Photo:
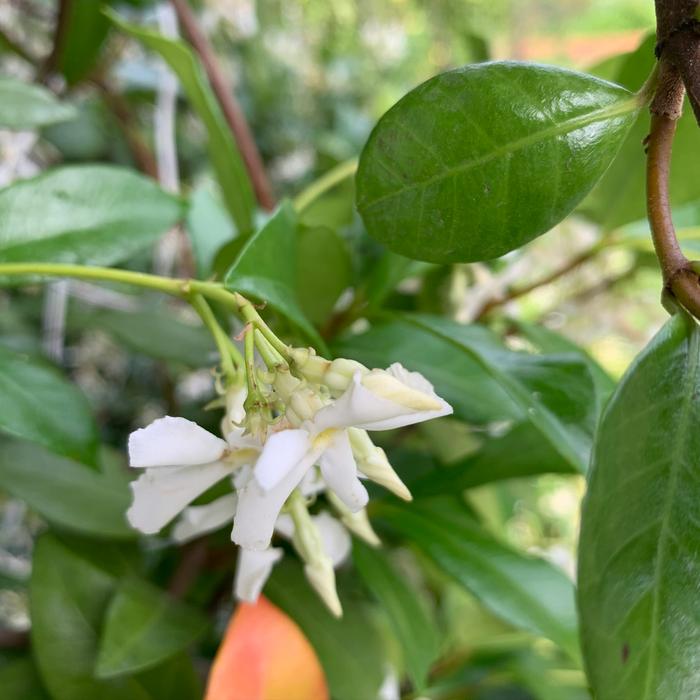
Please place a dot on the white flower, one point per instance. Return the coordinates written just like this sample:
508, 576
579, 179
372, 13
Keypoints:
252, 571
374, 400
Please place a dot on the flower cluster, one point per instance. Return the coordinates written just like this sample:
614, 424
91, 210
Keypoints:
303, 434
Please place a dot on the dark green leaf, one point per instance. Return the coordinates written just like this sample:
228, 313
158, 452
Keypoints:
554, 392
459, 379
527, 592
19, 680
66, 493
325, 271
349, 648
176, 679
92, 214
24, 106
225, 158
267, 269
478, 161
38, 404
387, 272
68, 597
155, 333
408, 614
639, 551
143, 626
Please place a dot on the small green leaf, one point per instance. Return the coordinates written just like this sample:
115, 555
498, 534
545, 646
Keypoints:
225, 157
639, 552
24, 106
478, 161
408, 614
38, 404
89, 214
64, 492
348, 648
527, 592
266, 268
143, 626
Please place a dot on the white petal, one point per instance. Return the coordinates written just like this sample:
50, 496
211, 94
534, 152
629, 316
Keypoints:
281, 453
173, 441
340, 472
198, 520
312, 484
336, 539
252, 571
257, 510
285, 526
160, 493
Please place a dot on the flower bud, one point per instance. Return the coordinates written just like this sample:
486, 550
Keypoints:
373, 463
312, 367
234, 416
340, 374
357, 522
321, 576
335, 374
391, 388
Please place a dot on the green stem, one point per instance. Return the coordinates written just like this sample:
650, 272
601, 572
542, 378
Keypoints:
254, 393
269, 355
231, 358
326, 182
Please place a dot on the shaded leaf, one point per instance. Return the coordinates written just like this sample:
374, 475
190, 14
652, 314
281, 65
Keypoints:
24, 106
639, 552
89, 214
40, 405
19, 680
478, 161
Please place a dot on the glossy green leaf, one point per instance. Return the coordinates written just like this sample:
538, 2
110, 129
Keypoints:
19, 680
521, 452
527, 592
90, 214
348, 648
84, 33
412, 622
38, 404
554, 392
64, 492
175, 679
68, 597
209, 228
24, 106
460, 380
478, 161
325, 271
266, 268
153, 332
639, 551
143, 626
224, 155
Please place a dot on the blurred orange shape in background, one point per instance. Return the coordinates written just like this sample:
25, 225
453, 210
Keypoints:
265, 656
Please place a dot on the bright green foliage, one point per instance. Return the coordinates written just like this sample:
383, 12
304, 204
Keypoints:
25, 106
527, 592
40, 405
143, 626
225, 157
480, 160
639, 540
410, 618
92, 214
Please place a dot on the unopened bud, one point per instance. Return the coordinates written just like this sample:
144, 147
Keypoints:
340, 374
335, 374
358, 522
388, 387
321, 576
234, 416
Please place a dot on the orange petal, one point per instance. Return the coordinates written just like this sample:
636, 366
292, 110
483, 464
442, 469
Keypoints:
265, 656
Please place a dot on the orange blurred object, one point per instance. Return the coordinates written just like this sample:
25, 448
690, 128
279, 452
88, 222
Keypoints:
265, 656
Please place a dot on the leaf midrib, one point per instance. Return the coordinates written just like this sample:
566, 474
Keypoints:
674, 470
566, 127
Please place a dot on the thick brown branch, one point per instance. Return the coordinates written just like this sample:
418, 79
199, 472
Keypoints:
233, 113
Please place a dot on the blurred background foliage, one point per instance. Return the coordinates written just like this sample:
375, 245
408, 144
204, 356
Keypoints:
312, 77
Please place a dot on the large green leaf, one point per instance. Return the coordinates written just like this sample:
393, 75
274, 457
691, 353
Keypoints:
19, 680
225, 157
460, 380
143, 626
88, 214
554, 392
64, 492
412, 622
38, 404
478, 161
267, 269
640, 540
348, 648
24, 106
527, 592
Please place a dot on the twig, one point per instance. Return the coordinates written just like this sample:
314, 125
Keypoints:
194, 557
13, 639
518, 292
16, 47
62, 20
232, 111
